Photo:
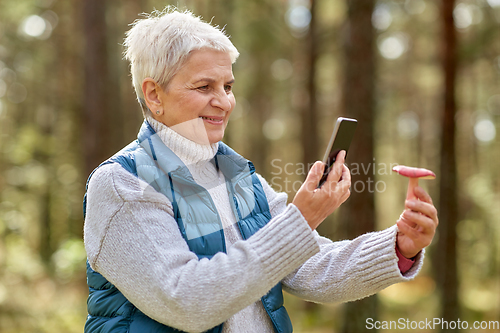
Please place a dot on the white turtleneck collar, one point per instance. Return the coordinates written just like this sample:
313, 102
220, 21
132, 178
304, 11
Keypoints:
196, 157
188, 151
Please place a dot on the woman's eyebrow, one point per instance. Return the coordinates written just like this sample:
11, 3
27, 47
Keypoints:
210, 80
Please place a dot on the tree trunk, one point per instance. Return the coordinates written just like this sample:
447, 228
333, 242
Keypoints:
445, 259
310, 135
95, 145
358, 213
259, 97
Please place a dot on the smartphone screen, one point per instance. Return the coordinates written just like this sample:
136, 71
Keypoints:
340, 140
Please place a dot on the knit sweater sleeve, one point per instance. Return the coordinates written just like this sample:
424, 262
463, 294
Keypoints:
133, 240
345, 270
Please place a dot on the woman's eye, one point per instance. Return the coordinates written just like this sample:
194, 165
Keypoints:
228, 88
203, 88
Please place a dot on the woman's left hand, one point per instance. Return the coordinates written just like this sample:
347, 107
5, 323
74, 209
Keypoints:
417, 224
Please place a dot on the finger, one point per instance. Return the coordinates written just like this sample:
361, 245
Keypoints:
423, 223
403, 227
422, 207
314, 176
419, 239
345, 183
404, 219
337, 168
346, 174
422, 195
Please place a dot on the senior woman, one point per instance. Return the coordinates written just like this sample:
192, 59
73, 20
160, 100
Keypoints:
182, 234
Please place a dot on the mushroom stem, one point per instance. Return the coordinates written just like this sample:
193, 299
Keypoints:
411, 186
414, 174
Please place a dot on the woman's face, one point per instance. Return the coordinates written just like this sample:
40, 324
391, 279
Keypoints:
199, 100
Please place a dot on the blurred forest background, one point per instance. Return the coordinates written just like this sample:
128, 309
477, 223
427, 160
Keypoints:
421, 76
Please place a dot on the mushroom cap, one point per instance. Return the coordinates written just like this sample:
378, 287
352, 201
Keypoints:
414, 172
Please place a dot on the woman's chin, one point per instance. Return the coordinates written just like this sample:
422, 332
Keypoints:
215, 136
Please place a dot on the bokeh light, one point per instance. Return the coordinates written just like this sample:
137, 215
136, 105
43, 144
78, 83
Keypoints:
298, 16
414, 7
466, 15
8, 75
381, 17
3, 88
462, 16
408, 125
393, 46
493, 104
51, 17
494, 3
484, 129
273, 129
17, 93
281, 69
36, 26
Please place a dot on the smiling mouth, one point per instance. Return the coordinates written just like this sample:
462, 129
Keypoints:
211, 119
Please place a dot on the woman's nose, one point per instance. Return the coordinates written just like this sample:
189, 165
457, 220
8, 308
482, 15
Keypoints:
222, 100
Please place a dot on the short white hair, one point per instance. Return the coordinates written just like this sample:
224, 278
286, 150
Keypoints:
159, 45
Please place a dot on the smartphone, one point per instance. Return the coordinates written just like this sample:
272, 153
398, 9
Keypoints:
341, 138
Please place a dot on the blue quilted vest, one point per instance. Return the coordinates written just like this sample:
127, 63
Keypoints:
198, 220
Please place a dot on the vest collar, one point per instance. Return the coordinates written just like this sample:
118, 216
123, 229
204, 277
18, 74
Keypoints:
233, 166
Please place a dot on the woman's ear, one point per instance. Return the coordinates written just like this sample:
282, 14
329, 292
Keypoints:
151, 91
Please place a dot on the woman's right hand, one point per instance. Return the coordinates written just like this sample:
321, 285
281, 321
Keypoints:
316, 204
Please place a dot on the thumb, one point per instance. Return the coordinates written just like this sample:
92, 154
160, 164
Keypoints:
314, 175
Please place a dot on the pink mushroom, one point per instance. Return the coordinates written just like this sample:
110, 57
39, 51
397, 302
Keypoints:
414, 174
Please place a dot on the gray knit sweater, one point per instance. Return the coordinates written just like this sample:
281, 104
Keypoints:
133, 240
